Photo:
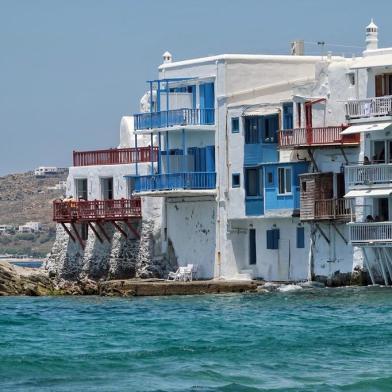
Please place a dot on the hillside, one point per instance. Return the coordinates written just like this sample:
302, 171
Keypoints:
24, 198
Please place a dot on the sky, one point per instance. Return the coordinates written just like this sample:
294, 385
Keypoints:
70, 69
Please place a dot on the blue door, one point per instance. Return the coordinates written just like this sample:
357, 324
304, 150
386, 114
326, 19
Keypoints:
207, 102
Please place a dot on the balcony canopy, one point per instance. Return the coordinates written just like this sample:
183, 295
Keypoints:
369, 193
366, 128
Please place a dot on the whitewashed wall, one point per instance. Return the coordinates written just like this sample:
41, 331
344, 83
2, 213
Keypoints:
191, 229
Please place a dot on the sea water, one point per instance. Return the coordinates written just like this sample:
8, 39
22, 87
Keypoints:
305, 340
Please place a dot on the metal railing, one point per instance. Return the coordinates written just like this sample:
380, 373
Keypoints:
303, 137
169, 118
368, 174
332, 209
369, 232
115, 156
173, 181
96, 210
369, 107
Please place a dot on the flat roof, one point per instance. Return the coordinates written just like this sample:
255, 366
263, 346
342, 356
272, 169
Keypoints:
250, 57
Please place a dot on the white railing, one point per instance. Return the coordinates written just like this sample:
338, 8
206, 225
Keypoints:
369, 107
368, 174
364, 233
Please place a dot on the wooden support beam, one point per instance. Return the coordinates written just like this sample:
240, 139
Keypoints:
133, 230
367, 265
95, 232
339, 232
103, 231
68, 232
77, 235
344, 155
119, 229
310, 152
322, 233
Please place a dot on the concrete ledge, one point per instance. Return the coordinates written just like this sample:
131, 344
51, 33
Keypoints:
156, 288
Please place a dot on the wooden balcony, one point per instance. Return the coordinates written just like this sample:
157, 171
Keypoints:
328, 209
317, 137
96, 210
369, 107
176, 117
369, 233
368, 175
115, 156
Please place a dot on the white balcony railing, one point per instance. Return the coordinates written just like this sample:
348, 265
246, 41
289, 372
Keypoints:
367, 233
369, 107
376, 174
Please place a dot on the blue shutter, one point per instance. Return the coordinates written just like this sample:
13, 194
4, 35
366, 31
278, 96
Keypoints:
300, 237
276, 237
270, 239
210, 158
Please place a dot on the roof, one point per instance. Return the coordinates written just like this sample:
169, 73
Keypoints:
366, 128
249, 57
379, 60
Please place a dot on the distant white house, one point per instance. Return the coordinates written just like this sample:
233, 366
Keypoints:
6, 228
30, 227
44, 171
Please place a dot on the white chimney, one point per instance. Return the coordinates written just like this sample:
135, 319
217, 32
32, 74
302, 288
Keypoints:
371, 36
167, 57
297, 48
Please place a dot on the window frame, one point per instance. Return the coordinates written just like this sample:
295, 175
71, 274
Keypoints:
236, 184
285, 171
235, 129
258, 185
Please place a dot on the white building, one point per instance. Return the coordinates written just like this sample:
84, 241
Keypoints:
30, 227
244, 166
44, 171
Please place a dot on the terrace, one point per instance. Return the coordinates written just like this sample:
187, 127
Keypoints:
317, 137
369, 107
115, 156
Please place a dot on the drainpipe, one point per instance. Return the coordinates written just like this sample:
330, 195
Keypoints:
217, 168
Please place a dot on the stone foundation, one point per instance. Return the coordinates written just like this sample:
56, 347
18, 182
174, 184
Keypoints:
119, 258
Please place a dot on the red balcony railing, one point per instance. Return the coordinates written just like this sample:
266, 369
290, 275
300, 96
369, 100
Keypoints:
322, 136
115, 156
65, 211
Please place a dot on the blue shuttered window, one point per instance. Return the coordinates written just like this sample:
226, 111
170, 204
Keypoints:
288, 115
300, 237
273, 236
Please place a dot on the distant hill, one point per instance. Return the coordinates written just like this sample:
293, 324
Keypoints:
23, 198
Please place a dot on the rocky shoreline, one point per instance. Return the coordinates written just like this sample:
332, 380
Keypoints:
16, 280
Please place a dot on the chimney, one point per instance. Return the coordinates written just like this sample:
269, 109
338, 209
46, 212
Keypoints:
371, 36
167, 57
297, 47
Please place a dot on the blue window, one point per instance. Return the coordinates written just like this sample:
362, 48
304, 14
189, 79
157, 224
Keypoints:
261, 129
252, 246
235, 125
252, 182
273, 236
284, 180
235, 180
300, 237
288, 115
270, 178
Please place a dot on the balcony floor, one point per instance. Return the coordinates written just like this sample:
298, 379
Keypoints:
179, 193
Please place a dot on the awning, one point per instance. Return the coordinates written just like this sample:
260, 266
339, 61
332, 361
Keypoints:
366, 128
381, 60
260, 111
368, 193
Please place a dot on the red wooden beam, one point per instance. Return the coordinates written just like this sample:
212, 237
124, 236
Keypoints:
95, 232
103, 231
134, 231
68, 232
119, 229
78, 235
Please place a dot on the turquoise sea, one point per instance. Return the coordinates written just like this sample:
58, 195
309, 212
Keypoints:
310, 340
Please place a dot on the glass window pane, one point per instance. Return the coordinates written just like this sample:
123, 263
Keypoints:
288, 180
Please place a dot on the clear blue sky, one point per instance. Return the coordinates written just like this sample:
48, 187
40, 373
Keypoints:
70, 69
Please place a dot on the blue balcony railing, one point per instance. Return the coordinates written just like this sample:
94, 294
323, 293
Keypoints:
163, 182
170, 118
